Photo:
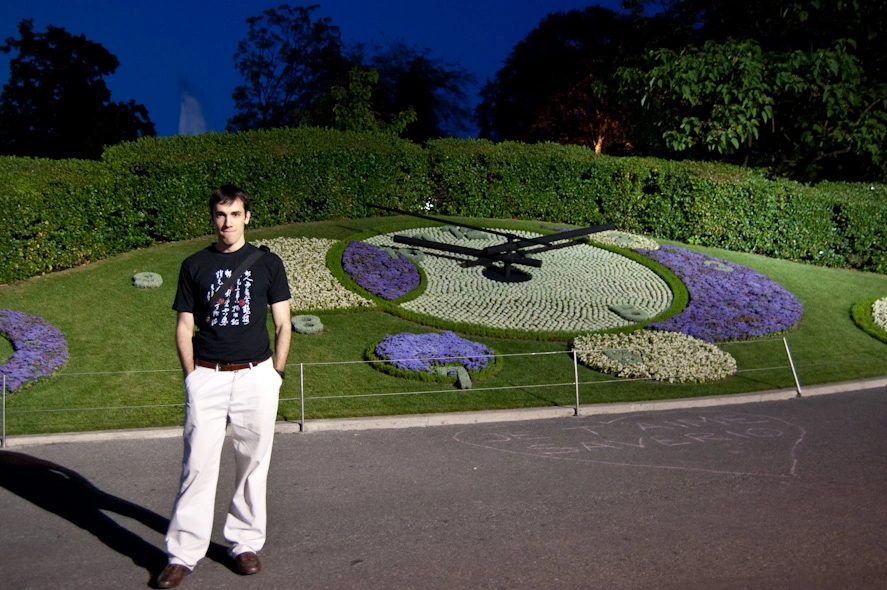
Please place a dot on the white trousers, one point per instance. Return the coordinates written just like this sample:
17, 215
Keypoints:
248, 399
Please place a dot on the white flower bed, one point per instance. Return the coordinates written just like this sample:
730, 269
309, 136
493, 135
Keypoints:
624, 240
574, 291
879, 313
647, 354
311, 283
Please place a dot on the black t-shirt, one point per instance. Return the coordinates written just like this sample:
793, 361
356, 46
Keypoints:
232, 327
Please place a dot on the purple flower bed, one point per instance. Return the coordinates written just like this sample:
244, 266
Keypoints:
420, 352
40, 348
378, 272
727, 301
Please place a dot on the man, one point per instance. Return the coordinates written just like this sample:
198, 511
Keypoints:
231, 375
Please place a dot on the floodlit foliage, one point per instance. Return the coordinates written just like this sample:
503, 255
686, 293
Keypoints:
557, 83
352, 107
789, 110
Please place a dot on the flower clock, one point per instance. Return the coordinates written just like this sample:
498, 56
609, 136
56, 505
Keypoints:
578, 288
40, 348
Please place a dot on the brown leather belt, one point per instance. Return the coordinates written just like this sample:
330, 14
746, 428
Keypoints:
224, 366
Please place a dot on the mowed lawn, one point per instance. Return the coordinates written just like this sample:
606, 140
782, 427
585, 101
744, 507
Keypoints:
123, 371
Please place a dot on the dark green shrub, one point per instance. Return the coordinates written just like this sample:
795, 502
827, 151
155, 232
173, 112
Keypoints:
477, 178
292, 174
59, 214
859, 221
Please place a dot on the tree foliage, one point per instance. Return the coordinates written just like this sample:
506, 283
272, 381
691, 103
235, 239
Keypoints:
410, 78
779, 85
349, 107
790, 111
56, 103
558, 82
288, 60
292, 63
796, 86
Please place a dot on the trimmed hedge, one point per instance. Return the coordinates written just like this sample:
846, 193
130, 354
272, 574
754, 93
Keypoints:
61, 214
833, 224
295, 175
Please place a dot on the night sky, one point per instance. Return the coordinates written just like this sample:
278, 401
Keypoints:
175, 49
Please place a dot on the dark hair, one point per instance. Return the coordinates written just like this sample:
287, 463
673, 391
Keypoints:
228, 193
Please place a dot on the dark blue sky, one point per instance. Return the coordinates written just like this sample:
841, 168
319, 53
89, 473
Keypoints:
166, 45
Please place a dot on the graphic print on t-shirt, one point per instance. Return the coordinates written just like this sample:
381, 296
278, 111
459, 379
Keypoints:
231, 308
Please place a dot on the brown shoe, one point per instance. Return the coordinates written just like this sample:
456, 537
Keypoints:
172, 575
248, 563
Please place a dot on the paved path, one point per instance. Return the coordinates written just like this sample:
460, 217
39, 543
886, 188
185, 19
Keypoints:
776, 494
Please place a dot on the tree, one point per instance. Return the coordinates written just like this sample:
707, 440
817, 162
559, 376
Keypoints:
405, 88
56, 103
796, 87
793, 112
784, 25
287, 61
411, 79
291, 62
579, 116
349, 107
557, 84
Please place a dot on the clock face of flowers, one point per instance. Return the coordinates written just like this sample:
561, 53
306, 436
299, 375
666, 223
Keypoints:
578, 288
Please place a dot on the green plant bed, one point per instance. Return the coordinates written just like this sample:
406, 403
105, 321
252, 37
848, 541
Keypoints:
334, 263
494, 367
123, 371
861, 312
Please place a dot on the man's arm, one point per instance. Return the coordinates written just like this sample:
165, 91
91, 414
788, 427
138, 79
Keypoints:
184, 345
280, 315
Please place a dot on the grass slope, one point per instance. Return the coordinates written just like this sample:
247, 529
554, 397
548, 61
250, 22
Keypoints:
123, 371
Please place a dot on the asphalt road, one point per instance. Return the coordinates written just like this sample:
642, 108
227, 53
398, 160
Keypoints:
785, 494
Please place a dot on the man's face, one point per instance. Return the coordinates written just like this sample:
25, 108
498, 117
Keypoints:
230, 220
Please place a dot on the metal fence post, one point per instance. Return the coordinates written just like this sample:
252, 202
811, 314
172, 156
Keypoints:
576, 381
792, 363
3, 417
301, 397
